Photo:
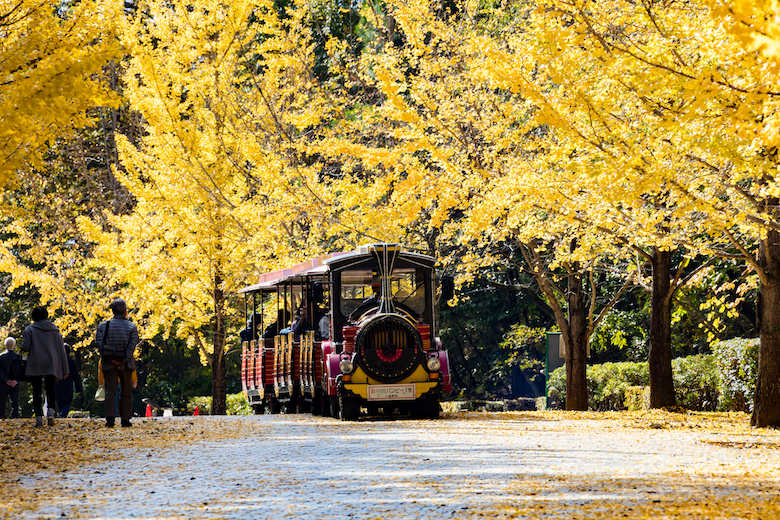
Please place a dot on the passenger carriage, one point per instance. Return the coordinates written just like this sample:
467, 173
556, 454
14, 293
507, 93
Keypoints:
379, 352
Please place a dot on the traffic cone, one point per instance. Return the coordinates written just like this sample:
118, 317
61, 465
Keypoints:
195, 411
148, 410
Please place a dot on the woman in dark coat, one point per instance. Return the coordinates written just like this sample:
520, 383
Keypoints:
47, 361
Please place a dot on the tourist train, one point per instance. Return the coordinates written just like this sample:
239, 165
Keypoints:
347, 334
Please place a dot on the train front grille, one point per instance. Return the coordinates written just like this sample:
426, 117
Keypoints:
389, 348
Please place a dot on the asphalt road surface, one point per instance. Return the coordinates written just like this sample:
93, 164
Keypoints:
464, 465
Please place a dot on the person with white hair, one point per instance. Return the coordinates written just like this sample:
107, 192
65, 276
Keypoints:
9, 386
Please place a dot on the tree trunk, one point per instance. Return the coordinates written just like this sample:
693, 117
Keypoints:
219, 386
660, 354
576, 346
766, 407
574, 330
218, 383
471, 383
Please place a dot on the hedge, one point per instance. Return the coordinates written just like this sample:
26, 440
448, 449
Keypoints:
737, 362
236, 404
724, 380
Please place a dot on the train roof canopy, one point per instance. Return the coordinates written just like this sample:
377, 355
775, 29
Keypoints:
320, 265
366, 251
269, 281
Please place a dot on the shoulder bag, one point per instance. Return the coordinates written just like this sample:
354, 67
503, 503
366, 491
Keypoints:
109, 360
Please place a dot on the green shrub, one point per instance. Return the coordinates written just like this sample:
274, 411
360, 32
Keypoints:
737, 367
696, 382
556, 389
607, 384
202, 402
612, 386
236, 404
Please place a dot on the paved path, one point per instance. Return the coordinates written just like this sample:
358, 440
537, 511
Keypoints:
461, 466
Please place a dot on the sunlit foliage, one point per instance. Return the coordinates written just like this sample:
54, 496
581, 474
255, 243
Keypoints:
51, 54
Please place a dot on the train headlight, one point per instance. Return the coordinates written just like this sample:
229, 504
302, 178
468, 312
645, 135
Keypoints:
434, 364
346, 366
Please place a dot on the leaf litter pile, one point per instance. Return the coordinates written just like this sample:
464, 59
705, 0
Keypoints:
650, 464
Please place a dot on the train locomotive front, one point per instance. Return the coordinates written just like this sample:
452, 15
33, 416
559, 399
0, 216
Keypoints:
380, 354
387, 362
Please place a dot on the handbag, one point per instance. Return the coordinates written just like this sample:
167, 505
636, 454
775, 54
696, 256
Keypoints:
100, 395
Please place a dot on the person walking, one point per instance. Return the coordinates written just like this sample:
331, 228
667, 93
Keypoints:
102, 382
64, 389
9, 386
47, 361
116, 340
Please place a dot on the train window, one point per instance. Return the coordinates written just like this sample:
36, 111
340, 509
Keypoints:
356, 287
407, 287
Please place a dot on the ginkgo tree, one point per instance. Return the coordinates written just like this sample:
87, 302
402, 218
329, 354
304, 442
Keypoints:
43, 251
604, 135
698, 132
449, 148
54, 58
630, 121
51, 60
225, 182
199, 228
670, 118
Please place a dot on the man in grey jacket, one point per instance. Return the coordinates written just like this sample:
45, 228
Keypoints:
116, 340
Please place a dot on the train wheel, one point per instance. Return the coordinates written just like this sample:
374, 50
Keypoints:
273, 405
334, 406
433, 409
291, 406
350, 408
304, 406
428, 408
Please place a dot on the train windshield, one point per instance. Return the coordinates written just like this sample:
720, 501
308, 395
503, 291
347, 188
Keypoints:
407, 286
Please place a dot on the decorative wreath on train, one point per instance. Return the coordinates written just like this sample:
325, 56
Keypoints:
389, 348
